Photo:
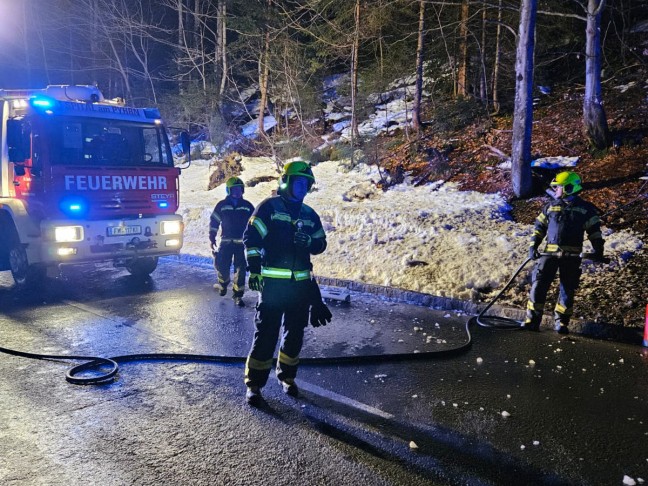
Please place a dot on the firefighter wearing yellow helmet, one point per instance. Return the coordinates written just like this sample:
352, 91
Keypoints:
230, 215
280, 238
563, 222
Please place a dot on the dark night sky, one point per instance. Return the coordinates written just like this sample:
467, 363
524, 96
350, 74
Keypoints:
29, 29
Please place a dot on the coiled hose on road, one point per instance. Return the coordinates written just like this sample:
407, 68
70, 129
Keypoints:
104, 370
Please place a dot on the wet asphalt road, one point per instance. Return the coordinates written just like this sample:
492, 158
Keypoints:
577, 409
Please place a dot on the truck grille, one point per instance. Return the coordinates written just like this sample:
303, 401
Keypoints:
128, 205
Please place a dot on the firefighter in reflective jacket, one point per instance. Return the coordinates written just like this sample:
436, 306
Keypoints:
563, 221
231, 215
279, 239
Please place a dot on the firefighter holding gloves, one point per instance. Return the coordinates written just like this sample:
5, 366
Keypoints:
279, 239
231, 215
563, 221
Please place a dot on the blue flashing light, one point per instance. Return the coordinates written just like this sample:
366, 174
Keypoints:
73, 207
163, 204
42, 102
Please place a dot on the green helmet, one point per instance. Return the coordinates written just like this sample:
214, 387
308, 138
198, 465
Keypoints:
296, 168
233, 182
570, 182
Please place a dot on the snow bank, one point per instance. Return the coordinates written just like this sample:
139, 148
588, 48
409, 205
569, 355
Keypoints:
434, 238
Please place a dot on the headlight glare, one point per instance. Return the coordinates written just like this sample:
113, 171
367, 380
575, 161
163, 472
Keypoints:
66, 234
170, 228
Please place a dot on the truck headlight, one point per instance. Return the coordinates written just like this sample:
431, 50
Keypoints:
170, 228
67, 234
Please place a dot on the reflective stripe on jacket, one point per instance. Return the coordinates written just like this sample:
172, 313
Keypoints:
563, 222
270, 236
232, 217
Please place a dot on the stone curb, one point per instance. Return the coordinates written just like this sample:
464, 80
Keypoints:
591, 329
595, 330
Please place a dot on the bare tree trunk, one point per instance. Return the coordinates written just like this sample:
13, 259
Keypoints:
496, 66
462, 75
416, 114
181, 42
221, 49
380, 44
483, 87
197, 46
94, 41
196, 25
354, 74
523, 113
264, 73
594, 119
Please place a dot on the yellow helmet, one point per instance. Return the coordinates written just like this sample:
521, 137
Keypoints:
570, 182
233, 182
296, 168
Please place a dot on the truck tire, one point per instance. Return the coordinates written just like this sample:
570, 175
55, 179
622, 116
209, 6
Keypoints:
24, 274
142, 267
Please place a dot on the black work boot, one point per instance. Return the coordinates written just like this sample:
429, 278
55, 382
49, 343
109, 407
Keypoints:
289, 388
237, 295
531, 325
561, 328
222, 291
253, 396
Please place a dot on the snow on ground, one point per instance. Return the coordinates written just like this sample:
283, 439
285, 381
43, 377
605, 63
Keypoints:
433, 239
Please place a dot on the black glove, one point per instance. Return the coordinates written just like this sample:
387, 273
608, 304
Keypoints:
534, 254
598, 246
302, 240
320, 315
255, 282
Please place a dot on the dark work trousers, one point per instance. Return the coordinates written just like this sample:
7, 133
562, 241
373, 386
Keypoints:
282, 311
228, 251
543, 274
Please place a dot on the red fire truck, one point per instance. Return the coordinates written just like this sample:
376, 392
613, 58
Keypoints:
84, 179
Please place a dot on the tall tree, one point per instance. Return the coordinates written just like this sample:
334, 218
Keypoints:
418, 93
264, 71
496, 63
355, 49
462, 75
221, 46
594, 119
523, 112
483, 87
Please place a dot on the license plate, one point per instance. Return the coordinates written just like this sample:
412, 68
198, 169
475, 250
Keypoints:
124, 230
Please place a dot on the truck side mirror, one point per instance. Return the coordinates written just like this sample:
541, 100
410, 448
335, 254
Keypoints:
185, 141
18, 141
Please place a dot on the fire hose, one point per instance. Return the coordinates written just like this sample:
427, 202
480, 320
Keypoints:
104, 370
110, 366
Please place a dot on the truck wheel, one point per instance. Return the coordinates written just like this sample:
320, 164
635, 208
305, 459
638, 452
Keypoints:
142, 267
24, 274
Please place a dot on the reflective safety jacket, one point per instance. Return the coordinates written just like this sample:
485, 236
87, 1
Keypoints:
564, 222
270, 234
233, 215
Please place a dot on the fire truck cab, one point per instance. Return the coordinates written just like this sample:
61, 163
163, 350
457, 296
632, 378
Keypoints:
84, 179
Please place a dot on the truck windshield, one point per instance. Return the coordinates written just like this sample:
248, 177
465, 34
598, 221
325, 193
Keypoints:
92, 141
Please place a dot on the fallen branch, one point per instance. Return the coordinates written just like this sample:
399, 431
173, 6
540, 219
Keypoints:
497, 152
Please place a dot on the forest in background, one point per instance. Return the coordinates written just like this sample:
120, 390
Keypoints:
198, 59
202, 54
203, 61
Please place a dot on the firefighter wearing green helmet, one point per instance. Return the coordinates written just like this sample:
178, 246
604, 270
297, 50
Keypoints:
230, 215
280, 238
563, 222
